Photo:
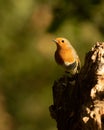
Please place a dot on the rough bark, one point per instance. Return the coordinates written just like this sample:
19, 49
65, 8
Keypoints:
78, 104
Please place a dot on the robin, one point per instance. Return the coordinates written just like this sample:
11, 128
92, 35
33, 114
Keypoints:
66, 56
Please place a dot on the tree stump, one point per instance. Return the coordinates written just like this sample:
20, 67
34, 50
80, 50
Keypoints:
79, 104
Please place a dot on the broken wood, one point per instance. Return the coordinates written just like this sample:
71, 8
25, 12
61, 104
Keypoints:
79, 104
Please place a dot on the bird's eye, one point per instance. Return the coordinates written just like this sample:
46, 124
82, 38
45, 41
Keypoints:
62, 41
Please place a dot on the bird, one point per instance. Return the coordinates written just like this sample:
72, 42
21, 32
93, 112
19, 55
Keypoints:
66, 56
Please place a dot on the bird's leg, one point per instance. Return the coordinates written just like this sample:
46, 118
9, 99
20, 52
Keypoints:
69, 77
66, 78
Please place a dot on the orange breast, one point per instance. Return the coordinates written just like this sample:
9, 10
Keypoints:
64, 55
67, 55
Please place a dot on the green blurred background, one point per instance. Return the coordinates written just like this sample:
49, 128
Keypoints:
27, 66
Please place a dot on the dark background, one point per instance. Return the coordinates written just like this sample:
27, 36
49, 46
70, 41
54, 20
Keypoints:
27, 66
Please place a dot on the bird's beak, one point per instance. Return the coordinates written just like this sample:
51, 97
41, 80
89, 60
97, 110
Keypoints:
55, 41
